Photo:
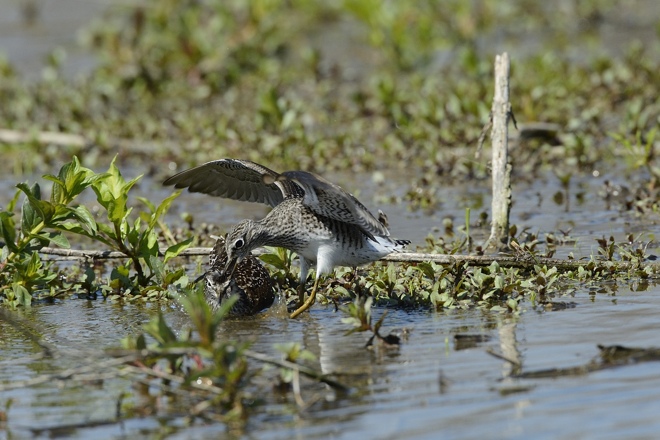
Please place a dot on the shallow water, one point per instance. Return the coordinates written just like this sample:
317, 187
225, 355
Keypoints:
433, 385
428, 387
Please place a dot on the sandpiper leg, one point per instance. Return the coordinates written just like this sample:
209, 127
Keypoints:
308, 303
301, 295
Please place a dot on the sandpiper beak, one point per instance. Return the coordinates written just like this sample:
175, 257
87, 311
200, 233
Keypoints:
200, 278
231, 265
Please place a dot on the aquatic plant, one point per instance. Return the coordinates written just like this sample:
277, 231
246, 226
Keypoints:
359, 316
211, 373
189, 82
51, 221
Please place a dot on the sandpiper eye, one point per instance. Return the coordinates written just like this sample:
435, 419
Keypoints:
239, 243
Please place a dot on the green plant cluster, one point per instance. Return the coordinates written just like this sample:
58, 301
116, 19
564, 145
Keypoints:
204, 374
435, 286
222, 364
145, 272
51, 221
202, 80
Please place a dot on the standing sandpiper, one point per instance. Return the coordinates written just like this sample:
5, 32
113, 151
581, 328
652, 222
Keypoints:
311, 216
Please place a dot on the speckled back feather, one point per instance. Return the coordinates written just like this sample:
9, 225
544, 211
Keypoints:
250, 281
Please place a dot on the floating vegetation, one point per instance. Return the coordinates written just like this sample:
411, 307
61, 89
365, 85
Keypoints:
203, 375
225, 80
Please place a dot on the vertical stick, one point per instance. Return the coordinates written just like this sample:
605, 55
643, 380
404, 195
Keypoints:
501, 206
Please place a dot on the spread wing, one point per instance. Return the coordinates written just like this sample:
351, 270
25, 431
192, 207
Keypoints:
330, 200
236, 179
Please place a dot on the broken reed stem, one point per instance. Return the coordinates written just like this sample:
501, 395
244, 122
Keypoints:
525, 261
501, 110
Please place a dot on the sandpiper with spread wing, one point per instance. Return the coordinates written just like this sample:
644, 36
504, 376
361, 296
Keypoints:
311, 216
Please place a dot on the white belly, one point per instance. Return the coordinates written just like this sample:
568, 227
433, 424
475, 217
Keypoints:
327, 254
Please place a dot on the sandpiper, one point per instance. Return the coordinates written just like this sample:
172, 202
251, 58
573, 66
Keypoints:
249, 281
311, 216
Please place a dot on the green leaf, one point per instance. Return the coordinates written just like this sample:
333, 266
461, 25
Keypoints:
119, 278
426, 269
30, 214
21, 295
8, 230
85, 218
110, 233
273, 260
76, 179
59, 239
163, 208
14, 201
35, 210
158, 329
157, 267
176, 249
141, 342
341, 290
33, 266
147, 242
148, 203
57, 194
391, 273
178, 278
112, 193
117, 210
205, 322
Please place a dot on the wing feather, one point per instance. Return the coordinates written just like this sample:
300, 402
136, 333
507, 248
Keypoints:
248, 181
332, 201
234, 179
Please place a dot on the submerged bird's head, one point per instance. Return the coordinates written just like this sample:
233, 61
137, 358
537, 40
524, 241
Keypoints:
239, 243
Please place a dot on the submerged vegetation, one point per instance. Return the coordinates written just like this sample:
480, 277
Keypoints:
351, 85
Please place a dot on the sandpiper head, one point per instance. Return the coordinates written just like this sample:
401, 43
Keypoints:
239, 243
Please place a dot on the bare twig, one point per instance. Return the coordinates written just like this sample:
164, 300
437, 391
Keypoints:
412, 257
501, 113
108, 255
295, 367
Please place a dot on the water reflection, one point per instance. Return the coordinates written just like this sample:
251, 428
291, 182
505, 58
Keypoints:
432, 383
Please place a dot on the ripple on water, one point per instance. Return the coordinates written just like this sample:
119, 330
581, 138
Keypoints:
429, 385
